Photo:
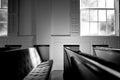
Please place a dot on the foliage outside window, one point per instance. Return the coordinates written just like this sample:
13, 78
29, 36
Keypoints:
97, 17
3, 17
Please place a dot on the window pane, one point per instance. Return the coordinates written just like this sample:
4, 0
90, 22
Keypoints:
3, 29
84, 30
110, 22
88, 3
84, 15
93, 15
109, 3
3, 16
4, 3
101, 3
102, 15
110, 15
110, 27
102, 28
93, 28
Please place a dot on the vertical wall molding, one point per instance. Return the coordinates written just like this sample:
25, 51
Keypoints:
75, 17
13, 11
25, 18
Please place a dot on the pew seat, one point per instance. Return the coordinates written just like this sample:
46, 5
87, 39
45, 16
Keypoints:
41, 72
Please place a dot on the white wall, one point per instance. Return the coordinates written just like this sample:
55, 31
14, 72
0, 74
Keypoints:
25, 17
60, 22
43, 21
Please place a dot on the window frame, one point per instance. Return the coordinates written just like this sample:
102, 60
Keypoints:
116, 12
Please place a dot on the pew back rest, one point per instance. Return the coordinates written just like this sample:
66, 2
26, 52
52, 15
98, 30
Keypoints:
103, 71
43, 51
84, 70
92, 68
17, 64
79, 70
67, 66
10, 47
108, 54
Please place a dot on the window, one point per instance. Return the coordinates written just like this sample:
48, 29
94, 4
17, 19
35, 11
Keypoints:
3, 17
97, 17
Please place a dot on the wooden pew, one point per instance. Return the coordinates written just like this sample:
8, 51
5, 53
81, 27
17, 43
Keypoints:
108, 54
67, 67
83, 71
43, 51
99, 45
41, 72
17, 64
10, 47
92, 68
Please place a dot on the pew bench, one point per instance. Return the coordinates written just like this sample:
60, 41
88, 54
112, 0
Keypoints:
88, 67
24, 64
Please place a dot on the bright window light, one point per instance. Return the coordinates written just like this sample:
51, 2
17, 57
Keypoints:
3, 17
97, 18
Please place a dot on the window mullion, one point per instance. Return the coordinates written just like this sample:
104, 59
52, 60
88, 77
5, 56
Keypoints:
106, 23
115, 21
89, 21
97, 20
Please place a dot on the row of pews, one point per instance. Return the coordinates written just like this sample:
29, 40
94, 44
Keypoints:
103, 65
23, 64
